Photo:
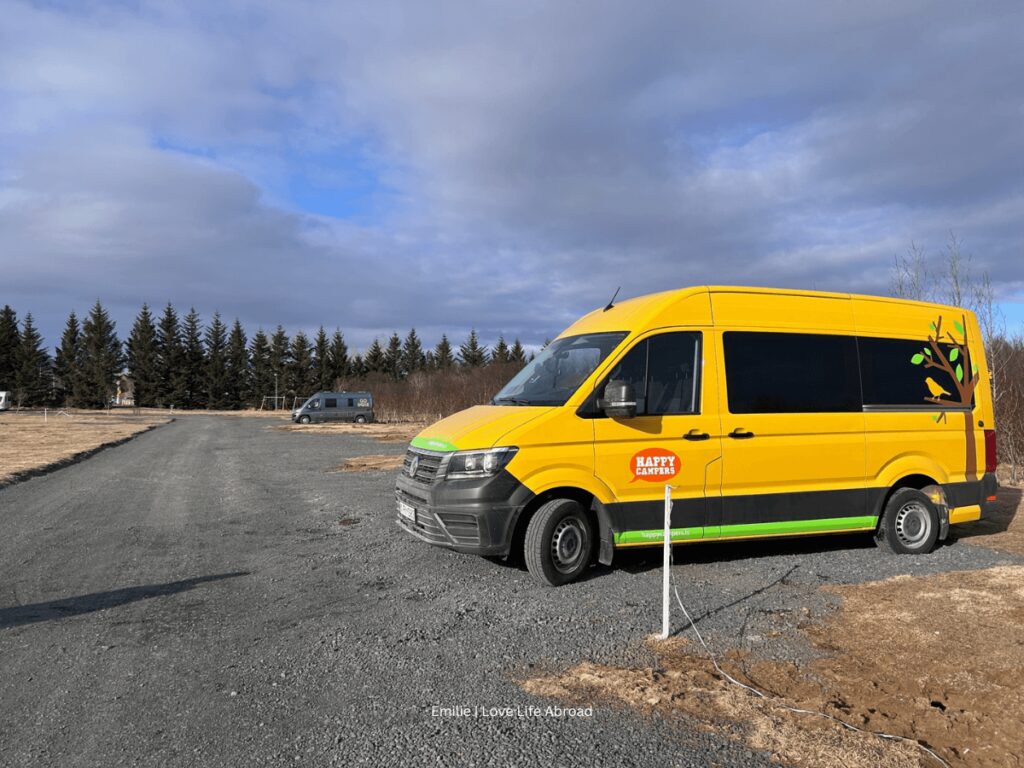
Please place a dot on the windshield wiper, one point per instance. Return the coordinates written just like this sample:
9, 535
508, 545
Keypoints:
512, 400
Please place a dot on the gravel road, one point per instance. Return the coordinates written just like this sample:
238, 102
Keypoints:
211, 593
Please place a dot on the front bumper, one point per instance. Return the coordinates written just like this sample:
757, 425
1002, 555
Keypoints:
477, 516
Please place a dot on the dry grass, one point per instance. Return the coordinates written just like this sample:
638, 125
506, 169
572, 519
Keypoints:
934, 659
384, 433
687, 686
282, 414
28, 443
374, 463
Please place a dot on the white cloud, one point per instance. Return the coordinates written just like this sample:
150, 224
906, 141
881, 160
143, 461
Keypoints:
527, 158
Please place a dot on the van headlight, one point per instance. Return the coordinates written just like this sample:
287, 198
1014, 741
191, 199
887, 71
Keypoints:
464, 464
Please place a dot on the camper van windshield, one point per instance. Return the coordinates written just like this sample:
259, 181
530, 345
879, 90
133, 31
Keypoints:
559, 369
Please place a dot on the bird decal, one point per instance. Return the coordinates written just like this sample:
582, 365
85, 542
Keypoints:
935, 388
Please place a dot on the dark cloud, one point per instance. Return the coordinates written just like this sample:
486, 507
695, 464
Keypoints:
523, 159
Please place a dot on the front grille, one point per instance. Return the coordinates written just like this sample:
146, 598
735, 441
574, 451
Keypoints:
463, 528
440, 528
427, 464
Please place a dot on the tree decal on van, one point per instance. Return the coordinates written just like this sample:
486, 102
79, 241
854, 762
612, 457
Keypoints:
954, 363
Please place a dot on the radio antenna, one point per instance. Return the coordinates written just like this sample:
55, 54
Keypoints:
612, 302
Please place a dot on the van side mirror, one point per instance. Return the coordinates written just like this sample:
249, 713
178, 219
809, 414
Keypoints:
619, 400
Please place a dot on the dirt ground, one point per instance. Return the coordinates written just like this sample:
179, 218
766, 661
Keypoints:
937, 659
383, 433
372, 463
1003, 530
30, 442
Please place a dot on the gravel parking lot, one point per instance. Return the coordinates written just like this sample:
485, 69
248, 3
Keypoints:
213, 592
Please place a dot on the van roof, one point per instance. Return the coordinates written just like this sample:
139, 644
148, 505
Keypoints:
646, 310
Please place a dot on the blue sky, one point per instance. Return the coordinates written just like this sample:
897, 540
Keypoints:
502, 166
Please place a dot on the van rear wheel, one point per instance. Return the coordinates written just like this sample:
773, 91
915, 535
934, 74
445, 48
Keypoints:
559, 542
910, 523
360, 419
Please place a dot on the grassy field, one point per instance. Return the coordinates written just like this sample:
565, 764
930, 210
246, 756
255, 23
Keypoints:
30, 442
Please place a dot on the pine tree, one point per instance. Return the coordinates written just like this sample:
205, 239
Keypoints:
262, 372
216, 368
517, 354
501, 353
279, 361
193, 362
444, 358
143, 359
374, 360
170, 360
239, 369
322, 368
68, 362
300, 370
339, 358
10, 343
471, 353
101, 358
357, 366
32, 378
413, 358
393, 357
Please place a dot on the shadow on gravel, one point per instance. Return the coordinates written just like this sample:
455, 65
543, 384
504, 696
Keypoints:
999, 520
640, 560
97, 601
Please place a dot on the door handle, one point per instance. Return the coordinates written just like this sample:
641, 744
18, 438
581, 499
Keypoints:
741, 434
694, 434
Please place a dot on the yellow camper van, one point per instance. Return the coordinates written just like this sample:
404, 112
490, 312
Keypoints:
768, 412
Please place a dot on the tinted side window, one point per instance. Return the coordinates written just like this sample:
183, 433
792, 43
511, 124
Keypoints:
791, 373
351, 402
330, 402
664, 372
672, 371
890, 378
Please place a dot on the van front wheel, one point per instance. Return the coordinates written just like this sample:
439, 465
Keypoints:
910, 523
559, 542
304, 419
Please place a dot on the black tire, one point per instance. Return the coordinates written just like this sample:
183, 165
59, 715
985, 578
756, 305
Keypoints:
910, 523
304, 419
559, 542
360, 419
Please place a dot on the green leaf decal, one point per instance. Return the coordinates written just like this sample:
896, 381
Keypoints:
936, 418
928, 352
974, 369
933, 326
958, 326
960, 373
954, 353
917, 359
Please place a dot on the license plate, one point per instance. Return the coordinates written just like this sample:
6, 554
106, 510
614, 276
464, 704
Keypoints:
406, 511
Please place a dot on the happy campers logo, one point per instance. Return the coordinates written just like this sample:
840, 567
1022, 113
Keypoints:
654, 465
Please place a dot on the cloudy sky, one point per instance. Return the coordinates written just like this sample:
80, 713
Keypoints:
375, 166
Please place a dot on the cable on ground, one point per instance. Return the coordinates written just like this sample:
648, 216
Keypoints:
796, 710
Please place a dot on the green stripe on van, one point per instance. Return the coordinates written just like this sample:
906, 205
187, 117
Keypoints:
657, 537
751, 529
433, 444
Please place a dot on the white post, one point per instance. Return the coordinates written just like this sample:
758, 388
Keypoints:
44, 415
668, 561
